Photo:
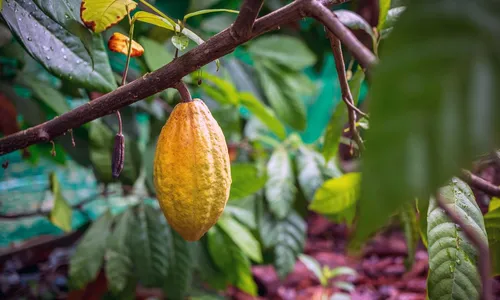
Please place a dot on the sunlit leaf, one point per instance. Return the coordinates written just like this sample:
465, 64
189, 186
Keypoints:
494, 204
338, 196
241, 187
280, 186
99, 15
87, 260
452, 257
61, 212
384, 6
147, 17
427, 122
313, 266
119, 43
208, 11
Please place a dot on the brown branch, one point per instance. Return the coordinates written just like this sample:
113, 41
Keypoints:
165, 77
324, 15
474, 238
344, 86
249, 11
480, 184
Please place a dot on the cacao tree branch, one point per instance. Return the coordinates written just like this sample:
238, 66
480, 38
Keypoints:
480, 184
165, 77
249, 11
481, 246
344, 86
324, 15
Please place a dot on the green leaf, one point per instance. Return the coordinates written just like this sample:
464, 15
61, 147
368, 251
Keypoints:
152, 246
334, 131
427, 122
119, 268
207, 269
241, 187
147, 17
355, 84
61, 212
99, 15
310, 175
290, 235
288, 108
263, 113
208, 11
280, 187
313, 266
87, 260
231, 260
492, 224
384, 6
242, 237
155, 54
243, 215
392, 16
180, 41
46, 94
411, 230
338, 197
285, 50
71, 51
452, 258
180, 273
224, 87
354, 21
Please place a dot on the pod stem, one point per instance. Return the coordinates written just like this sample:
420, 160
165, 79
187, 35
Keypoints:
183, 90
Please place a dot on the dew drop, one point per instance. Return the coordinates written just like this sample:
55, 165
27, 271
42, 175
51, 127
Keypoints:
65, 57
47, 57
30, 39
66, 16
51, 49
78, 61
458, 261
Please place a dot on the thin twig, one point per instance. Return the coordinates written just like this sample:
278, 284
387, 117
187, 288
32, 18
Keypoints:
344, 86
482, 247
480, 184
217, 46
324, 15
249, 11
183, 90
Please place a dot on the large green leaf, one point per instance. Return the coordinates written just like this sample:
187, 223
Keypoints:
61, 212
155, 54
431, 113
46, 94
310, 175
492, 224
119, 268
290, 235
242, 237
288, 107
263, 113
280, 187
231, 260
337, 197
241, 187
452, 257
207, 269
52, 33
180, 272
152, 246
87, 260
285, 50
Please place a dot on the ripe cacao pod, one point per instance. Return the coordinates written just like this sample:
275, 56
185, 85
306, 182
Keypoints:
192, 172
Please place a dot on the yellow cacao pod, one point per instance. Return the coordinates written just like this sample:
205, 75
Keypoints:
192, 172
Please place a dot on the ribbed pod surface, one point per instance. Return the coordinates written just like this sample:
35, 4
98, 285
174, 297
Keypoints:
192, 173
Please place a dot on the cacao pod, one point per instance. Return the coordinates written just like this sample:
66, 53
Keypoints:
192, 172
